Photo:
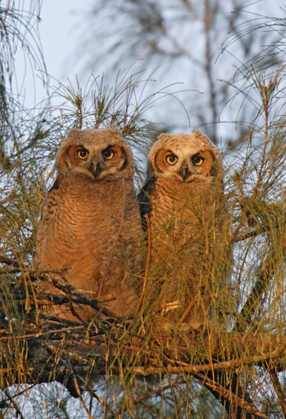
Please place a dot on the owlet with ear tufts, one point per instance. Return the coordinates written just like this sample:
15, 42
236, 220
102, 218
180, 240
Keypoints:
184, 206
90, 222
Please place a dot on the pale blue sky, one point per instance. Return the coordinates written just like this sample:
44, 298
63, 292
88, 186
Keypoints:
60, 19
61, 38
61, 32
58, 27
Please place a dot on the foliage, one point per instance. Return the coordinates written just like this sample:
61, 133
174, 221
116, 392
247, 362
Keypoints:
240, 357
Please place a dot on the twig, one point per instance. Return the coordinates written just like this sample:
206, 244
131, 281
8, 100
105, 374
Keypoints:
262, 282
73, 295
58, 299
263, 161
193, 369
11, 399
9, 261
231, 396
69, 354
3, 403
38, 334
254, 233
208, 16
157, 391
60, 321
279, 392
186, 312
81, 398
103, 402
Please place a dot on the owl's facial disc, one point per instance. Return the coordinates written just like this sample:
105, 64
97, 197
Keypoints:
191, 167
97, 163
101, 163
183, 165
106, 163
112, 161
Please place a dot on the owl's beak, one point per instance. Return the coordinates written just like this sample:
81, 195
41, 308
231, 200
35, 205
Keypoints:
96, 168
185, 171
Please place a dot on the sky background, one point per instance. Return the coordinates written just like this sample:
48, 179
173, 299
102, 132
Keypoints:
58, 30
61, 32
63, 29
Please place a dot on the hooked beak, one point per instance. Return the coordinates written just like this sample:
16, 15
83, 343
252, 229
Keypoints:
184, 171
96, 167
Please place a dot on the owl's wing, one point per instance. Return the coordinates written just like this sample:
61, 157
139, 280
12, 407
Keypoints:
144, 201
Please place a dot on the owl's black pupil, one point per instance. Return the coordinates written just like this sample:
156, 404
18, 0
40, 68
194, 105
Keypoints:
197, 159
172, 159
82, 153
107, 153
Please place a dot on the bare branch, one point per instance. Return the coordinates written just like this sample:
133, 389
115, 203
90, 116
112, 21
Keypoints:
232, 397
278, 390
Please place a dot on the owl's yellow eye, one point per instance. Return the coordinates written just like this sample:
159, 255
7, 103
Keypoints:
171, 159
198, 160
82, 154
108, 154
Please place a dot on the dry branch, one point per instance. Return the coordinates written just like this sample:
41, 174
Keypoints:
232, 397
278, 390
9, 261
70, 352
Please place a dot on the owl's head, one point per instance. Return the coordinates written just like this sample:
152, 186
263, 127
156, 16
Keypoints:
184, 158
97, 154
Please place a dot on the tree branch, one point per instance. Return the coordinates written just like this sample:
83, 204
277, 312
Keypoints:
278, 390
231, 396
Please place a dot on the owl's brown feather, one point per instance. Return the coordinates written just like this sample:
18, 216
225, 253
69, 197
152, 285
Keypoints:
90, 225
189, 227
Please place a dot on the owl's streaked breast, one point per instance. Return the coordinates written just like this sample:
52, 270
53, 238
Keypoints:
90, 223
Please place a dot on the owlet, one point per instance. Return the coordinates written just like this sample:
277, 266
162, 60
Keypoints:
90, 223
184, 206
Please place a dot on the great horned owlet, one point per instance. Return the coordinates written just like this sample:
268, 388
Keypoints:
90, 223
183, 200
